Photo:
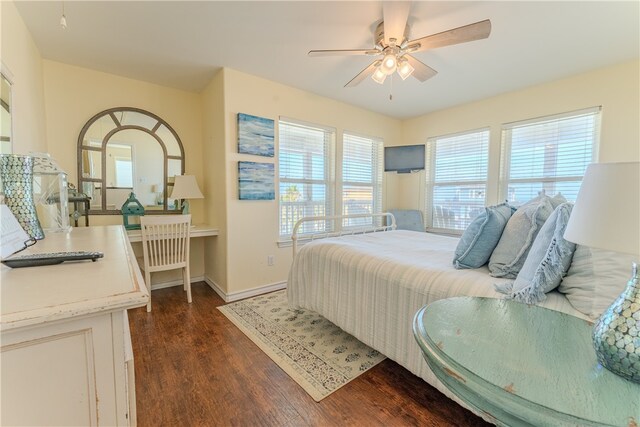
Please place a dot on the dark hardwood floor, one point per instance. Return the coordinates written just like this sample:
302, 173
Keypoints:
195, 368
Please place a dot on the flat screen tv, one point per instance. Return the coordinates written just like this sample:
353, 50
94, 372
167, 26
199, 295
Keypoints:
404, 158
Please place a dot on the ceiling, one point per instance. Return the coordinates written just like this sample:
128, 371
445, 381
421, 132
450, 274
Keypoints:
182, 44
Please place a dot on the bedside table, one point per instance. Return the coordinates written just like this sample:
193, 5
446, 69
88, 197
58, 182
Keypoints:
523, 365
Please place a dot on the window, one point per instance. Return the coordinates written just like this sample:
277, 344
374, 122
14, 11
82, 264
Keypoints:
547, 155
124, 172
306, 155
456, 172
361, 178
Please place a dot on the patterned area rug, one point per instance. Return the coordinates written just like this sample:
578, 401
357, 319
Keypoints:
314, 352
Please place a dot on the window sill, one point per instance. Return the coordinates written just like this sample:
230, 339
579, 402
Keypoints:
445, 232
289, 243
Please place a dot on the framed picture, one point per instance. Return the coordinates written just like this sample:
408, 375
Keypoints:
255, 135
256, 181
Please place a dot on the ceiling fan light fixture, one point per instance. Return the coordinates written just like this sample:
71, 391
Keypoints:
389, 64
405, 69
379, 75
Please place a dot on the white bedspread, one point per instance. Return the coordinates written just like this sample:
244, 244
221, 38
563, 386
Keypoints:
372, 285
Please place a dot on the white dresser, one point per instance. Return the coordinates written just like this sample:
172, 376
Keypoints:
66, 354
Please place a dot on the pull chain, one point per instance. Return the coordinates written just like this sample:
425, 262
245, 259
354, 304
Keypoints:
391, 88
63, 19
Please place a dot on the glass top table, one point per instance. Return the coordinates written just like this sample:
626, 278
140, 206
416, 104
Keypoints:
522, 365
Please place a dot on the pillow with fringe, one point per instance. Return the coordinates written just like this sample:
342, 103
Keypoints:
548, 261
519, 234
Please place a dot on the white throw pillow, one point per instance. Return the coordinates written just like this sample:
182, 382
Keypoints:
595, 279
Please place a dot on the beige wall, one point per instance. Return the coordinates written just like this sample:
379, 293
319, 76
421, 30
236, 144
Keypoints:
215, 178
615, 88
60, 98
23, 62
73, 95
252, 226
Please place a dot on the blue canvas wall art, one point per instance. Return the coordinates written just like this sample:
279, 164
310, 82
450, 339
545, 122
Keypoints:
256, 181
255, 135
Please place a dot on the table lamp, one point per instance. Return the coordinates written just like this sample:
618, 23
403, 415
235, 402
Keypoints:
185, 187
606, 215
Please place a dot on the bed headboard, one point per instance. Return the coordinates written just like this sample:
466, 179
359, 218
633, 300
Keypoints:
379, 222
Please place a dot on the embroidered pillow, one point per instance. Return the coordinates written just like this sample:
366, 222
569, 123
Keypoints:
595, 279
518, 236
547, 261
481, 237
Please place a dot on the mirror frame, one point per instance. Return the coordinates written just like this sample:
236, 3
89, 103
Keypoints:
111, 112
8, 76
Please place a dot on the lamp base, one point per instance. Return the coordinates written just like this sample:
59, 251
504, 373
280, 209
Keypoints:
616, 335
185, 207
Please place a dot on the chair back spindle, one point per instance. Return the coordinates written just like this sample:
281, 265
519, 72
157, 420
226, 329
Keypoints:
165, 245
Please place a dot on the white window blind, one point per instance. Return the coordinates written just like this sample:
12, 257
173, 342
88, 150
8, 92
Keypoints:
548, 155
306, 155
456, 179
361, 178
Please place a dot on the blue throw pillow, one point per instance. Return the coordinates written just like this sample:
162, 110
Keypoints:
481, 237
548, 261
509, 255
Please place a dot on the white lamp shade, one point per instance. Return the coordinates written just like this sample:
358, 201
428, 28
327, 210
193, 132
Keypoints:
405, 69
606, 214
379, 76
389, 64
186, 187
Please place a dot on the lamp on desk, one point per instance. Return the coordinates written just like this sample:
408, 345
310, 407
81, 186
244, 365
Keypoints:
606, 215
185, 187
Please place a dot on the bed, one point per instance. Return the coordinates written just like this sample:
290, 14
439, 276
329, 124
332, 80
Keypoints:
371, 285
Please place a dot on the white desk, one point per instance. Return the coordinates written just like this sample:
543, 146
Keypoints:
66, 349
199, 230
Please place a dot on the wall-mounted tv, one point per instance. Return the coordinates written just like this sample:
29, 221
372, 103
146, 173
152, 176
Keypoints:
404, 158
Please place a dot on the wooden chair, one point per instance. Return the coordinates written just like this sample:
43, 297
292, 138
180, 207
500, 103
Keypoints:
165, 244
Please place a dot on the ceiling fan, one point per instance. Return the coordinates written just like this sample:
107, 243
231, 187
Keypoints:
391, 42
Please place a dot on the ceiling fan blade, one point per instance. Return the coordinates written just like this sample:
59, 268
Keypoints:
467, 33
395, 15
363, 74
421, 70
343, 52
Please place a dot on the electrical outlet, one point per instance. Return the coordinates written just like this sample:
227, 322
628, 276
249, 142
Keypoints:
270, 260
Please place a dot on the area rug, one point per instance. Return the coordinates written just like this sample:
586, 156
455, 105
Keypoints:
314, 352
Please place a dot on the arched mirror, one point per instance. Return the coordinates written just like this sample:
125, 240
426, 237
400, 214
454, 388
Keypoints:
124, 150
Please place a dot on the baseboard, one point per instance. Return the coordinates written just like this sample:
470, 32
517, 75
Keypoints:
177, 282
235, 296
213, 285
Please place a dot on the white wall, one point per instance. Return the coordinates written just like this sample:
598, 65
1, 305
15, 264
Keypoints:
23, 61
615, 88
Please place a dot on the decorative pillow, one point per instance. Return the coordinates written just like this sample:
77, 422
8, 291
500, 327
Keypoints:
557, 200
595, 279
481, 237
518, 235
548, 260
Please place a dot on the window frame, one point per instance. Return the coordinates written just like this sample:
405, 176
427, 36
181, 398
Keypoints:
430, 184
329, 173
506, 144
376, 183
